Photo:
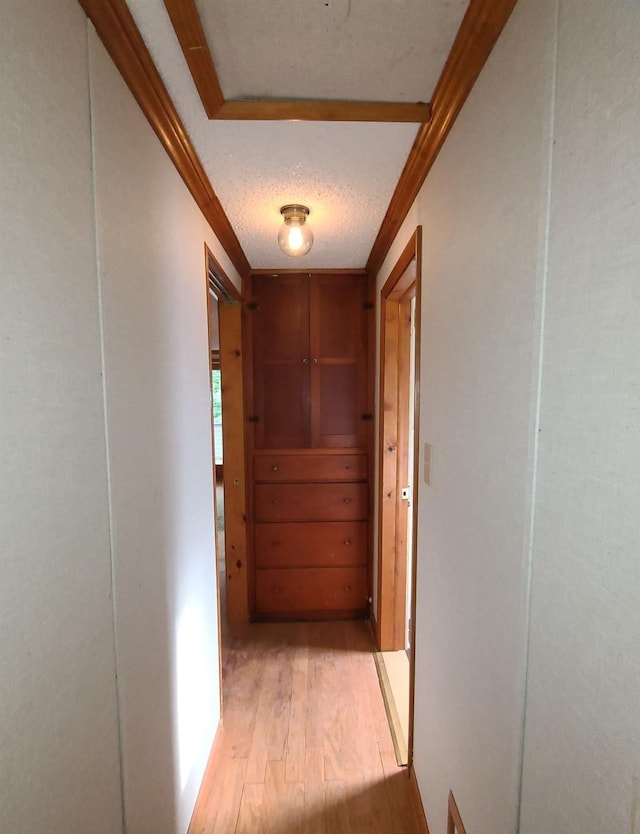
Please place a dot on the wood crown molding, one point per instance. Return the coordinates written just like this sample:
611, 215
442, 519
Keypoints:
478, 33
188, 28
118, 32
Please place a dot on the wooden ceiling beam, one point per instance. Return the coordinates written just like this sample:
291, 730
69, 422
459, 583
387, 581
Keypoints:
187, 24
323, 271
117, 30
188, 28
478, 33
324, 111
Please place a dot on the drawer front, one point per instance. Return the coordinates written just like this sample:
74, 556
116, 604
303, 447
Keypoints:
300, 590
310, 502
314, 544
310, 468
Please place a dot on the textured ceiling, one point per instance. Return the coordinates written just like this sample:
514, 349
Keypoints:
345, 172
342, 171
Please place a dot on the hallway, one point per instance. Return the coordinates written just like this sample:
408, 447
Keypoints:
306, 747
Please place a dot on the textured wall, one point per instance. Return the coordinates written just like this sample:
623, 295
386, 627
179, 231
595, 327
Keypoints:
520, 244
154, 304
483, 215
582, 743
59, 769
482, 210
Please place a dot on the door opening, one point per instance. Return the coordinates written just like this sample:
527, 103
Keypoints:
227, 384
397, 491
218, 452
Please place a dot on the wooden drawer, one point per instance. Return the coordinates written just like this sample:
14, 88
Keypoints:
310, 468
310, 502
312, 544
291, 591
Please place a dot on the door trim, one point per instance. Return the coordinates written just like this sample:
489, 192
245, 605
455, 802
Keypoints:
233, 438
391, 585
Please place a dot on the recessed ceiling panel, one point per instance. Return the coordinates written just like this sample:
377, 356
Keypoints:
344, 172
375, 50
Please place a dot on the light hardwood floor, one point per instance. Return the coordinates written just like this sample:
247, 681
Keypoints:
305, 746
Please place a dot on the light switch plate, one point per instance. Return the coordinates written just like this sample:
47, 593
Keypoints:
427, 464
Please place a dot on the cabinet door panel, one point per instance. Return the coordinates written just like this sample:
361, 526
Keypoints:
284, 423
337, 302
339, 420
280, 327
338, 360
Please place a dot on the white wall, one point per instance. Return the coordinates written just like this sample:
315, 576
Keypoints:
530, 245
59, 768
582, 748
154, 305
81, 502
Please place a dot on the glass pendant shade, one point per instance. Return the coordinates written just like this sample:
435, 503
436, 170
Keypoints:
295, 236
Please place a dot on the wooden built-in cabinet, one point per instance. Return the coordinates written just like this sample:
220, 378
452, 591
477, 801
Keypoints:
309, 361
309, 430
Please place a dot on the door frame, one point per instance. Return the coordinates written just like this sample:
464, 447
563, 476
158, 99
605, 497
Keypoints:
402, 283
233, 437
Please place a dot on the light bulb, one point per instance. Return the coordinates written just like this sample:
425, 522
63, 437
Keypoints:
295, 236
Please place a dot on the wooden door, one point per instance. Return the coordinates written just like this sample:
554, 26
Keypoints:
280, 325
338, 349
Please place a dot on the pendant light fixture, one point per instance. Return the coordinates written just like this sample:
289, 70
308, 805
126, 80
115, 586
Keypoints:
295, 237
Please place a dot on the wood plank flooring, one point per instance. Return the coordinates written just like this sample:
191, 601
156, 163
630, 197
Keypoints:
305, 746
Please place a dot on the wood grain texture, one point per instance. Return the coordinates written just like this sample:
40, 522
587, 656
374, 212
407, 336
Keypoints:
321, 110
338, 351
273, 467
404, 467
311, 544
371, 424
388, 465
416, 240
306, 747
454, 820
311, 502
288, 592
417, 799
118, 32
188, 28
403, 282
278, 320
233, 438
276, 272
478, 33
310, 387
